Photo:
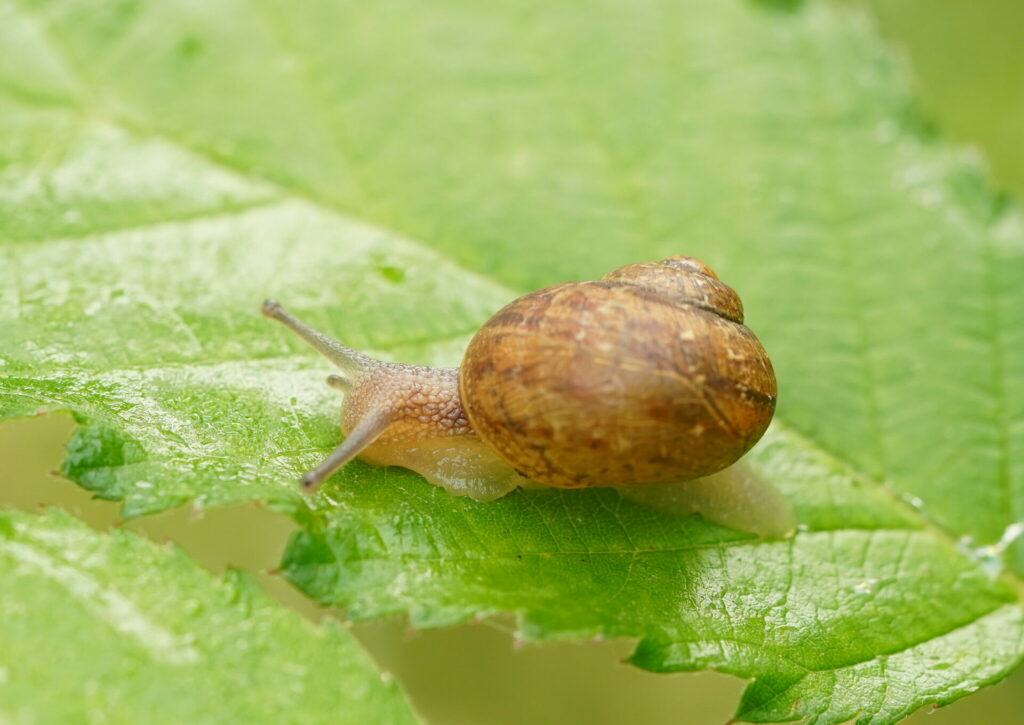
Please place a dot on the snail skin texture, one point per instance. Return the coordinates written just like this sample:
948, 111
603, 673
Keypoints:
646, 380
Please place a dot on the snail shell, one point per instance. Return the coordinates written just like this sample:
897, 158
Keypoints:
646, 376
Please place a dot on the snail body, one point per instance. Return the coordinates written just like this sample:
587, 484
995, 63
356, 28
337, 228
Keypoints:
647, 376
422, 426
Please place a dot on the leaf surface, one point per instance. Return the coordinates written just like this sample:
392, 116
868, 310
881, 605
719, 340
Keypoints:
112, 628
394, 174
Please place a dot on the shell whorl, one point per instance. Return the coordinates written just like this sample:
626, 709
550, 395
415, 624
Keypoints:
685, 280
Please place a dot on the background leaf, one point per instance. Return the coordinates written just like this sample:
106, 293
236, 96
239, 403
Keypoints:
112, 628
395, 174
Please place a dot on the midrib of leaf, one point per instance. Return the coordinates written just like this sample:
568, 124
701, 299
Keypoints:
241, 362
224, 212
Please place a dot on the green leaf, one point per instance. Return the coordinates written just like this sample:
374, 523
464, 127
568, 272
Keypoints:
394, 173
112, 628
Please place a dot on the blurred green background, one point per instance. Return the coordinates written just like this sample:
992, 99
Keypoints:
968, 65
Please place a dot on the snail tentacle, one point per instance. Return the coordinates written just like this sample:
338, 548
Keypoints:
348, 360
363, 435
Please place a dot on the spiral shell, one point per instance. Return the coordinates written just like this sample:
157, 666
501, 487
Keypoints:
647, 375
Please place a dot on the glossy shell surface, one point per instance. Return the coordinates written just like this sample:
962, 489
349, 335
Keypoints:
645, 376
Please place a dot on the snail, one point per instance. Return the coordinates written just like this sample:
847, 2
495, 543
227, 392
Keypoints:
646, 380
